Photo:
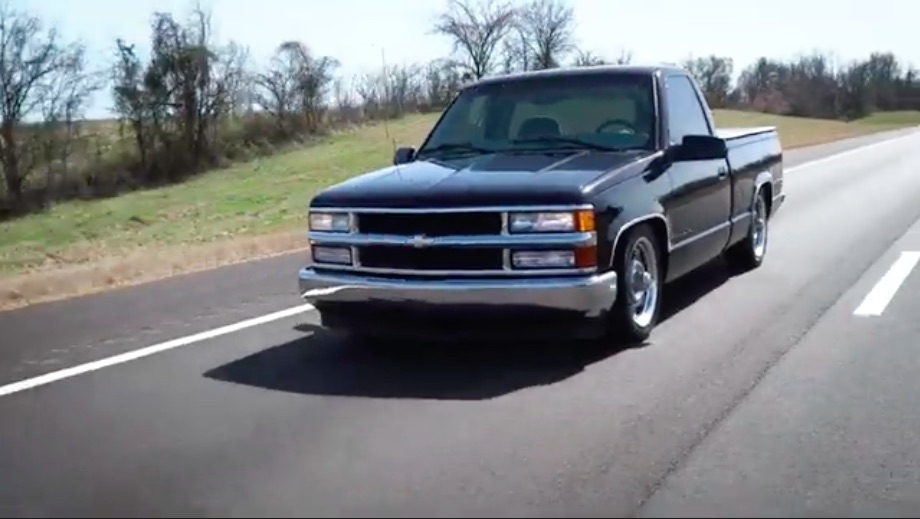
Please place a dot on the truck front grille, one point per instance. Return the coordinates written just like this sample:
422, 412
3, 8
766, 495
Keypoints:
430, 224
434, 258
444, 242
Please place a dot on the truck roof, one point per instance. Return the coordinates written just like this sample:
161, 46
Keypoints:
580, 71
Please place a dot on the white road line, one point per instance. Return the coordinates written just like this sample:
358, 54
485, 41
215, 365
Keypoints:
48, 378
883, 291
55, 376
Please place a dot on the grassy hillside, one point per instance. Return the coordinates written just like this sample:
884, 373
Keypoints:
251, 209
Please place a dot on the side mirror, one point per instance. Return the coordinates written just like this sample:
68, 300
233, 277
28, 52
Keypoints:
701, 147
404, 155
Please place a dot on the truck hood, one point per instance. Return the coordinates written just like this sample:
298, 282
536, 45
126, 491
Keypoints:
495, 179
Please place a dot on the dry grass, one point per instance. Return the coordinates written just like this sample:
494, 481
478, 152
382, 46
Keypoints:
140, 265
245, 212
797, 132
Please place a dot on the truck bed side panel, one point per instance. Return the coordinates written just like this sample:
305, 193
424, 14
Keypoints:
754, 156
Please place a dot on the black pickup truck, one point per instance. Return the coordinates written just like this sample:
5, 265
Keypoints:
545, 202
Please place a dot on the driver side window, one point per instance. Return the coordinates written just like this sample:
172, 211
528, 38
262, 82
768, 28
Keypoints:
685, 111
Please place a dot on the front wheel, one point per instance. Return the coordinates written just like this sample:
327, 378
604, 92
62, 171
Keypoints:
638, 304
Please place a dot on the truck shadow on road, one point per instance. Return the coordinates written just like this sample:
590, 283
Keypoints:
326, 363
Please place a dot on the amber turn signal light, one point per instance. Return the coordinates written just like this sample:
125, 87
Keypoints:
586, 257
584, 220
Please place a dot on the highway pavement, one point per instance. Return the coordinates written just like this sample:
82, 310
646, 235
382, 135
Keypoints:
790, 390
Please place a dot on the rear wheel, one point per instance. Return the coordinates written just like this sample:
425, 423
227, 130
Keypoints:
749, 253
638, 266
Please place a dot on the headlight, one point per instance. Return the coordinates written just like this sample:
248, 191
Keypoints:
580, 257
337, 255
557, 221
329, 222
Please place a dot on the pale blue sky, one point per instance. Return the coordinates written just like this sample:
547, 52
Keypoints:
654, 30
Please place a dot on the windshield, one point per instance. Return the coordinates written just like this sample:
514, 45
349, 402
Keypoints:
598, 111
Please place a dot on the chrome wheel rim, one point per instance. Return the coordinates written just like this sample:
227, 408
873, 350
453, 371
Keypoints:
759, 227
642, 281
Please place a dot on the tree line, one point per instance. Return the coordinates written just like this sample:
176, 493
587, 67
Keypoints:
195, 103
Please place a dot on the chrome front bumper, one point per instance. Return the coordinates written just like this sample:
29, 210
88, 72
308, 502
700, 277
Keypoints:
591, 295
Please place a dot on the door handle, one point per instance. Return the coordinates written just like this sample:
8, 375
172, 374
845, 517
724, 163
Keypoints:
723, 172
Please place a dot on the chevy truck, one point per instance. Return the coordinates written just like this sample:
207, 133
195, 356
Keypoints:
550, 202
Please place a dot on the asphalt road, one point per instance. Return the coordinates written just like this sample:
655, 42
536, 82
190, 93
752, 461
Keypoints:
760, 394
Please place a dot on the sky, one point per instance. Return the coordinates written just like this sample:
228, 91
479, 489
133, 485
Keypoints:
363, 33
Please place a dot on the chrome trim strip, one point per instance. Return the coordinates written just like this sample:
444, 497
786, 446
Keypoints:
355, 256
522, 273
591, 295
483, 209
701, 235
536, 240
352, 223
741, 216
680, 244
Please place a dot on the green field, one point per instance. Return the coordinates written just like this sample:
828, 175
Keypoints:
260, 203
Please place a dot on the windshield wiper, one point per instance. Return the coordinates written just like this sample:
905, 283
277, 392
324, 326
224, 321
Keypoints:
569, 141
456, 146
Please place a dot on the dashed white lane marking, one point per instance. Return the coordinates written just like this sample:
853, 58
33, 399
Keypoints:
55, 376
884, 290
48, 378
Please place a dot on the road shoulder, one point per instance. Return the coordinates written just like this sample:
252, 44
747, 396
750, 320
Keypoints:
831, 430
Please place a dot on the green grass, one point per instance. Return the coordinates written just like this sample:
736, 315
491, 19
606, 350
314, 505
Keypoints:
271, 194
261, 196
900, 118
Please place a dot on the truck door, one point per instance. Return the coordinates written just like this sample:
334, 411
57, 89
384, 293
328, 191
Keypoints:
700, 203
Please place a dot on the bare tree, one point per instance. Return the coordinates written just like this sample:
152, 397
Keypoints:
347, 109
277, 86
517, 54
548, 28
294, 86
35, 66
586, 58
624, 58
371, 91
813, 85
63, 101
442, 81
134, 101
175, 103
714, 76
233, 63
476, 31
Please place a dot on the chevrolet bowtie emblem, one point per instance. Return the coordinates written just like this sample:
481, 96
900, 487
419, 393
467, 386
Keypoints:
421, 241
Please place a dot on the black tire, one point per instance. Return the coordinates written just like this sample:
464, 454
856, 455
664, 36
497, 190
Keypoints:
749, 253
629, 323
